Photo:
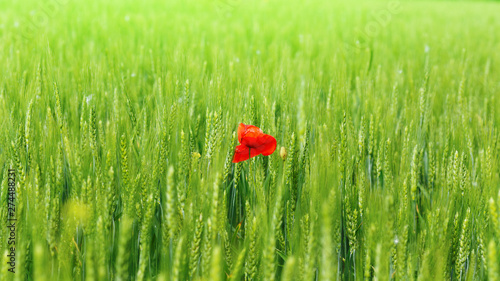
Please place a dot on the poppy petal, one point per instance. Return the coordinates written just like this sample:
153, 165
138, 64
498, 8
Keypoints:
265, 144
241, 131
241, 153
248, 131
269, 145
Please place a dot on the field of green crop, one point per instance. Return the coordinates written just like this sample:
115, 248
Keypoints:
118, 125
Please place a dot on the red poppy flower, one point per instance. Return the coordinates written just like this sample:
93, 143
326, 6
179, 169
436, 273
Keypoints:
253, 142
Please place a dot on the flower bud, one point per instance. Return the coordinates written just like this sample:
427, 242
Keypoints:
283, 153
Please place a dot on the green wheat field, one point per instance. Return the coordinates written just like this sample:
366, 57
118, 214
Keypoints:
118, 124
